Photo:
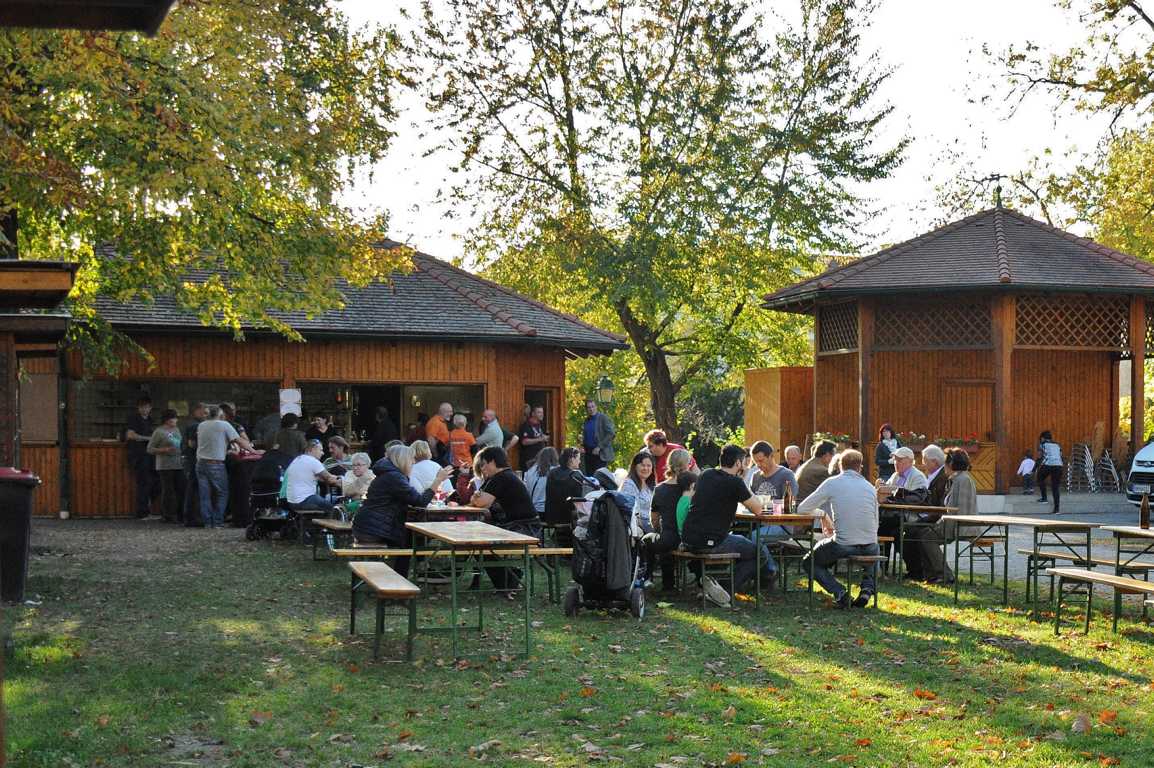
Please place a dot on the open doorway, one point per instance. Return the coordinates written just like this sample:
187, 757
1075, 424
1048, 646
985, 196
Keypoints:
549, 400
368, 399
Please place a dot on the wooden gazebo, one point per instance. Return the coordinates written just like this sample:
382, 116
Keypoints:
994, 327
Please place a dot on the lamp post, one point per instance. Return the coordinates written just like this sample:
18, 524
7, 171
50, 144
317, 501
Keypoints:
605, 390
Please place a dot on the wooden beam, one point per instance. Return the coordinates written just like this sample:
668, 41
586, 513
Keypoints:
20, 280
1137, 372
1003, 319
816, 354
865, 344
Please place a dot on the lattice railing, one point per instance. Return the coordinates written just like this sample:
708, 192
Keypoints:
837, 328
1149, 328
1099, 322
933, 326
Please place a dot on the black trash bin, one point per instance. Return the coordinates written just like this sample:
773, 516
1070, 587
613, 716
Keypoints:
16, 489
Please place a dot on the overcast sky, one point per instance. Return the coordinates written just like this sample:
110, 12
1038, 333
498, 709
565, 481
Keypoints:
940, 74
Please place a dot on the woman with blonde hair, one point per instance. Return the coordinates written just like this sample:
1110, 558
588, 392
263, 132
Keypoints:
659, 544
424, 468
382, 516
355, 483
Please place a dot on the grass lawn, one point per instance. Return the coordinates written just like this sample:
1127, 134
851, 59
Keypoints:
162, 646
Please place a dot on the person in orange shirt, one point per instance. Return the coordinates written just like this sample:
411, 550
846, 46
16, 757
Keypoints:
437, 433
461, 441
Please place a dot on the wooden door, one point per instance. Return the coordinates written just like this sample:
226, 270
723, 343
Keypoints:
967, 410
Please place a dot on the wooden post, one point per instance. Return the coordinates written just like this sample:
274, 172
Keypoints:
1137, 372
814, 427
1003, 320
865, 345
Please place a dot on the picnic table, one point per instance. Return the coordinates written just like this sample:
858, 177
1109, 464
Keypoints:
469, 539
1069, 535
905, 511
804, 540
1143, 544
442, 513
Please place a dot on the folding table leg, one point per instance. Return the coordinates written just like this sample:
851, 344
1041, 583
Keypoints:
412, 628
353, 605
1058, 606
380, 628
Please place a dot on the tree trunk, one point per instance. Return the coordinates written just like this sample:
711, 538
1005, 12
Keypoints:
8, 228
662, 393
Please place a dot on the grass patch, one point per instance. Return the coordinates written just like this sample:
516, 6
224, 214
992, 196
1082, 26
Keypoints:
157, 646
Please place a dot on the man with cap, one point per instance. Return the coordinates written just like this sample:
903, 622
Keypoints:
907, 485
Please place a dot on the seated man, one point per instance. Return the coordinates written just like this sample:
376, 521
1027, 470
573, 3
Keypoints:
933, 459
302, 476
771, 479
507, 503
710, 518
907, 485
852, 530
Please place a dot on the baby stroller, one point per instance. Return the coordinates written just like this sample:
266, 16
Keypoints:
606, 559
264, 498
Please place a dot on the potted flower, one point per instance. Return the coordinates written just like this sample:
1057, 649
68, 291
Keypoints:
912, 440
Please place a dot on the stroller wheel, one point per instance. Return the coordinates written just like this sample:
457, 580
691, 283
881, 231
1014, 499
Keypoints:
251, 533
637, 603
572, 600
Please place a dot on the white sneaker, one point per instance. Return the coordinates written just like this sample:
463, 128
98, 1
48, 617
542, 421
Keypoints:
715, 593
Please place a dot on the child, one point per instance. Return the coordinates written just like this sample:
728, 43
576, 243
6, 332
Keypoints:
687, 481
1026, 472
461, 442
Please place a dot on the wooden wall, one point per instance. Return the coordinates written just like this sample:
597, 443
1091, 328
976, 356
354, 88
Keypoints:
42, 456
916, 392
101, 483
779, 405
836, 394
1064, 392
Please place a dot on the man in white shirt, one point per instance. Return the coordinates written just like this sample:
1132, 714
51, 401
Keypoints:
302, 476
852, 530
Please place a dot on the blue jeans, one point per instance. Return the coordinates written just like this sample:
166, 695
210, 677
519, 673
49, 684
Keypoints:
313, 502
746, 567
212, 480
772, 532
827, 552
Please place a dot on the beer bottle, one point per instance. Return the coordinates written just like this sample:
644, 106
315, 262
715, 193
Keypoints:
1144, 512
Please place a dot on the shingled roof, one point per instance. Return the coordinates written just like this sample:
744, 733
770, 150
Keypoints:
994, 250
436, 301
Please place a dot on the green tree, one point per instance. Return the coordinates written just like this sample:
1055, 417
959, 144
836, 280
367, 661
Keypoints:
658, 166
222, 142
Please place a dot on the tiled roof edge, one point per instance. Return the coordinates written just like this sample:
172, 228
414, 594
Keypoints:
1004, 275
1118, 256
840, 273
434, 270
510, 292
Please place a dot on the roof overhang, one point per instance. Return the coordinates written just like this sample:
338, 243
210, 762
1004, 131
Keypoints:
133, 15
574, 350
35, 284
804, 302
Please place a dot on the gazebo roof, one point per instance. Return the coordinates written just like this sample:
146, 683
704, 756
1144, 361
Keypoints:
995, 250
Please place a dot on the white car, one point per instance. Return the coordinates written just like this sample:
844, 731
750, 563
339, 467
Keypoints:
1141, 478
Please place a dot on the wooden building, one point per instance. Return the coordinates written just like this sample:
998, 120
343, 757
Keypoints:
436, 334
138, 15
779, 405
994, 327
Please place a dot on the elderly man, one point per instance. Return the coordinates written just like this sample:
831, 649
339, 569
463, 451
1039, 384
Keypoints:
852, 528
792, 455
907, 485
489, 432
913, 551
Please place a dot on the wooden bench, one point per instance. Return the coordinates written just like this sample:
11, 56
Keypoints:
720, 562
546, 557
1053, 556
387, 586
331, 530
1122, 585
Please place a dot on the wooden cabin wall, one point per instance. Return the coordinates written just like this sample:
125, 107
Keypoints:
779, 405
836, 394
1064, 392
930, 392
100, 480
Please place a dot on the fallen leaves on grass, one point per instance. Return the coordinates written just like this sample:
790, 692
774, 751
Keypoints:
1081, 724
864, 742
103, 721
924, 694
588, 691
478, 751
257, 718
1107, 716
729, 712
735, 758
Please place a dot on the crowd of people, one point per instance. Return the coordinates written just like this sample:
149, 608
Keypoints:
675, 504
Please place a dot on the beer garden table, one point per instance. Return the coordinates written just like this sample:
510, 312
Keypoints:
1046, 533
1144, 545
788, 521
904, 510
468, 539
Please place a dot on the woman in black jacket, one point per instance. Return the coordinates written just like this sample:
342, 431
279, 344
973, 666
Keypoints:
381, 518
562, 483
